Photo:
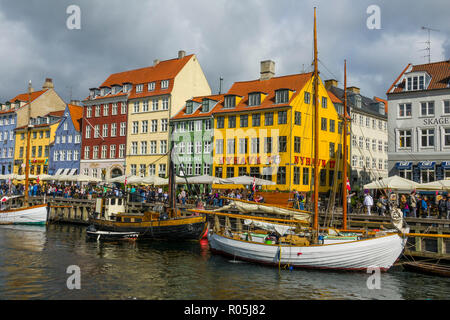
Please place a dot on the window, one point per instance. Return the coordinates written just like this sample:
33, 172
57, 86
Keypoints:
297, 144
40, 152
208, 124
139, 87
55, 155
230, 172
374, 145
135, 127
69, 138
153, 147
305, 176
207, 147
62, 155
218, 172
145, 106
256, 120
181, 148
298, 118
86, 152
105, 130
88, 112
142, 170
427, 137
332, 125
144, 126
198, 147
230, 102
198, 169
97, 111
282, 117
134, 147
282, 96
165, 103
332, 150
281, 175
133, 169
104, 152
143, 147
447, 107
415, 83
164, 125
162, 170
95, 153
163, 146
206, 169
367, 144
380, 146
354, 143
198, 125
63, 139
164, 84
354, 161
255, 145
112, 151
219, 146
243, 145
268, 118
361, 142
123, 129
113, 129
64, 126
447, 137
405, 173
220, 122
155, 103
243, 121
427, 108
136, 107
121, 151
323, 124
368, 122
231, 146
231, 121
427, 175
307, 97
268, 144
404, 110
96, 131
105, 110
123, 108
154, 127
282, 143
296, 175
254, 99
114, 109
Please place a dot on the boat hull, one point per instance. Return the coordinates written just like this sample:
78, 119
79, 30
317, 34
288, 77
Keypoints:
380, 252
35, 215
192, 228
110, 235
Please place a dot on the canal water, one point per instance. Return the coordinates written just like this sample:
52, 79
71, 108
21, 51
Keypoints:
34, 263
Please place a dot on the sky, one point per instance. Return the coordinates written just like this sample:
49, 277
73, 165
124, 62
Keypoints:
229, 37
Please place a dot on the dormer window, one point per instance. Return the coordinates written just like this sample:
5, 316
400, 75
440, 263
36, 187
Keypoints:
230, 102
126, 87
282, 96
254, 99
151, 86
139, 87
416, 82
113, 90
358, 101
189, 107
92, 93
205, 105
102, 91
164, 84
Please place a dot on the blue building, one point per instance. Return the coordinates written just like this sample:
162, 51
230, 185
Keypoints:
65, 149
8, 122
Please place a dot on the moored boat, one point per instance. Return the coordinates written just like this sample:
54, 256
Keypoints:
92, 233
428, 268
37, 214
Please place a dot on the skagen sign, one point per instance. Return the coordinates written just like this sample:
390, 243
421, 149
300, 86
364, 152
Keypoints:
441, 120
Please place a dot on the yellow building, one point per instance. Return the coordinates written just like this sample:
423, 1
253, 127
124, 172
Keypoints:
265, 129
42, 135
156, 96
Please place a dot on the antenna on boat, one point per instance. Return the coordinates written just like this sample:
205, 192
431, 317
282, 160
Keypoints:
316, 138
344, 189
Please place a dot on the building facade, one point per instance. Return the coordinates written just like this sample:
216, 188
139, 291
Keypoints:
42, 135
265, 129
369, 135
156, 96
64, 157
8, 122
419, 122
192, 136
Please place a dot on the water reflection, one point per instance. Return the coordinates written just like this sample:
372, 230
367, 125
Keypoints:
33, 265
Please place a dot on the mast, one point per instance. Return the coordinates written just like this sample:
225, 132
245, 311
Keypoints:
28, 133
316, 137
344, 190
172, 182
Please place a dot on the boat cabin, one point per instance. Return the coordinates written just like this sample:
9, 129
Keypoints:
108, 208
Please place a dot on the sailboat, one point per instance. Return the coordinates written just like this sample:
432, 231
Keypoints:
37, 214
293, 241
162, 223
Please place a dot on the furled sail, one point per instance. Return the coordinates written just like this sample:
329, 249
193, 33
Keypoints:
281, 229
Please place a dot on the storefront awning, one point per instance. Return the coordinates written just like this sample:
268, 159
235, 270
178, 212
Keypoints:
72, 172
58, 172
66, 171
404, 165
446, 164
426, 164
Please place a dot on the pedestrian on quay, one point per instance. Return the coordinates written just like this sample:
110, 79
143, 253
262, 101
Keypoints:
368, 202
448, 207
424, 206
349, 202
413, 204
442, 207
382, 205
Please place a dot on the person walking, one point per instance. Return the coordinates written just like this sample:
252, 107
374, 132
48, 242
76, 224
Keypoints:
442, 207
382, 204
413, 204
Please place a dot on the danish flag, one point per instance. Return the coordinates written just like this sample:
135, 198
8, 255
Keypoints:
254, 184
348, 185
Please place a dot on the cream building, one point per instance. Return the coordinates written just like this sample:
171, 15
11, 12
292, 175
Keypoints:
155, 97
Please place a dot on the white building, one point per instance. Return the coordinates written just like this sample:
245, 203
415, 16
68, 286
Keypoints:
369, 135
419, 122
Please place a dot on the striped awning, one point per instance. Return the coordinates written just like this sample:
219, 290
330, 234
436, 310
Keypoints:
58, 172
426, 164
72, 172
66, 171
404, 165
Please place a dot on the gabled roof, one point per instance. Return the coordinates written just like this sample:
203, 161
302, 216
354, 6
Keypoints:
25, 96
292, 82
439, 72
164, 70
333, 97
76, 113
198, 112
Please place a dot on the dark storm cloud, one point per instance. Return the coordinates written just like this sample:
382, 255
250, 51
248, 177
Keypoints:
230, 38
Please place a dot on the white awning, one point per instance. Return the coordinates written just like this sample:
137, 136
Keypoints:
58, 172
66, 171
72, 172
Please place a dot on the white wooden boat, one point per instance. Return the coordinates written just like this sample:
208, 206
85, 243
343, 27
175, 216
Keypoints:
358, 255
37, 214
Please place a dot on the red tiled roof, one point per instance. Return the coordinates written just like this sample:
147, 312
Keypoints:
25, 96
76, 113
198, 112
293, 82
384, 101
164, 70
333, 98
59, 113
439, 72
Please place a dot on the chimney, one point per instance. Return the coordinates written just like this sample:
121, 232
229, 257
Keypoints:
30, 88
75, 102
267, 69
331, 83
353, 89
181, 54
48, 84
155, 62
